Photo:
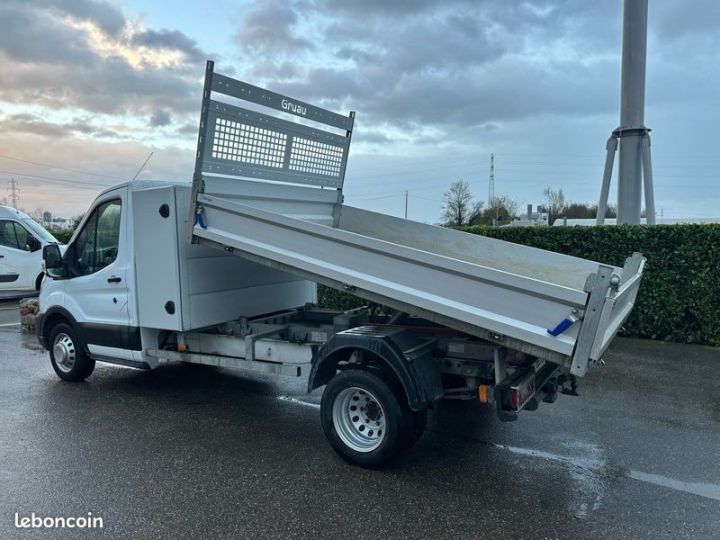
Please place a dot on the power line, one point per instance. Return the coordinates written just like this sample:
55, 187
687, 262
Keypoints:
50, 166
54, 178
424, 198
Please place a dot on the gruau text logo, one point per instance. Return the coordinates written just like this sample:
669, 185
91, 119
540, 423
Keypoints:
293, 107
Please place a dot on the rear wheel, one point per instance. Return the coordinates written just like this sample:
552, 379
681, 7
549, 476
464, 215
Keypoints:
363, 419
67, 355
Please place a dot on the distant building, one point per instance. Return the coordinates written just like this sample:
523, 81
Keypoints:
530, 218
612, 221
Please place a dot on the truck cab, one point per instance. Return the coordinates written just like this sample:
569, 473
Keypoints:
21, 243
129, 277
88, 292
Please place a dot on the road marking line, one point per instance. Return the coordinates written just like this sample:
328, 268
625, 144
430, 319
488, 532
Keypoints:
11, 324
591, 463
299, 401
709, 491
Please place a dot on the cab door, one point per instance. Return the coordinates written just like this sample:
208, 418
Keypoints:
98, 264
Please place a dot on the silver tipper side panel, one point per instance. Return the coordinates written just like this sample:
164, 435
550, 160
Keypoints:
447, 284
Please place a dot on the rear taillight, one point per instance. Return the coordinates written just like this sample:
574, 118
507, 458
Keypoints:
521, 392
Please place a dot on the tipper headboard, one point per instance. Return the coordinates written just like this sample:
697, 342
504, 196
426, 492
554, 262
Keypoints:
238, 145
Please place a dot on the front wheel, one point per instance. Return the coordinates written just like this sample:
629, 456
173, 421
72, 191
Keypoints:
363, 419
67, 355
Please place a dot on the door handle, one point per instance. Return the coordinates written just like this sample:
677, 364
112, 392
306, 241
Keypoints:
114, 279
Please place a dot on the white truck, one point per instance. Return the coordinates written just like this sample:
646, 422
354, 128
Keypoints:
223, 272
21, 243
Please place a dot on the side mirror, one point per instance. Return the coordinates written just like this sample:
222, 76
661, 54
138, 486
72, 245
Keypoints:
33, 244
53, 261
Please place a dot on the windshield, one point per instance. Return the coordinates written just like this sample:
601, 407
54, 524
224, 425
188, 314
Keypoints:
38, 231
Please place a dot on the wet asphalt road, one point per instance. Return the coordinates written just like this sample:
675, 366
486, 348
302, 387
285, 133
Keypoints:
193, 452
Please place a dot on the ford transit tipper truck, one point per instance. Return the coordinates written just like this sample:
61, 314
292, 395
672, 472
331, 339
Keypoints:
223, 272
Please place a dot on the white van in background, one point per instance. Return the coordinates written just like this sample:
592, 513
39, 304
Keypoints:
21, 243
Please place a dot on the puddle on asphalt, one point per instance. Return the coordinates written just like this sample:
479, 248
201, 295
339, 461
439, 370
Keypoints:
299, 402
586, 472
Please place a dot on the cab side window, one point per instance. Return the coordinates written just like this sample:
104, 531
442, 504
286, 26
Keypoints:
21, 236
14, 235
7, 234
97, 244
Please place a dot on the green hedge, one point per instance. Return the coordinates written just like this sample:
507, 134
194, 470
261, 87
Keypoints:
63, 236
679, 298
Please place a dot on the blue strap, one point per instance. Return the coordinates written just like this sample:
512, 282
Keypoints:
565, 324
200, 219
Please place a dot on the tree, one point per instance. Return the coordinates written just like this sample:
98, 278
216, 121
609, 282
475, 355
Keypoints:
476, 212
75, 221
457, 204
555, 203
576, 210
508, 207
37, 215
502, 209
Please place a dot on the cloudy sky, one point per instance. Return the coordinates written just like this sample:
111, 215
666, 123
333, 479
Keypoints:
89, 88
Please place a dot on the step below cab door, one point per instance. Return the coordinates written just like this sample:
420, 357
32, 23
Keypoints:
98, 265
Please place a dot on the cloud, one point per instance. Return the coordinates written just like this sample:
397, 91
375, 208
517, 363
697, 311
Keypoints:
32, 124
189, 128
270, 27
105, 162
103, 85
172, 40
459, 64
445, 63
26, 123
106, 16
160, 118
37, 36
86, 55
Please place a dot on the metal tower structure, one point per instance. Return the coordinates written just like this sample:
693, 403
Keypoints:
632, 136
14, 196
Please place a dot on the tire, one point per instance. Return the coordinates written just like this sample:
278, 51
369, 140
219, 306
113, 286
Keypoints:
38, 281
373, 432
67, 354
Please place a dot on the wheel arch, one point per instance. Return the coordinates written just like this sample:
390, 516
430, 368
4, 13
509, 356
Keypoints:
57, 315
419, 379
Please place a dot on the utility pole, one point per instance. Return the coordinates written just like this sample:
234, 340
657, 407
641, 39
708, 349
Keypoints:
406, 198
491, 188
631, 136
14, 192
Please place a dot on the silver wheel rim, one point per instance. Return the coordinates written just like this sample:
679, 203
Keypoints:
64, 352
359, 419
